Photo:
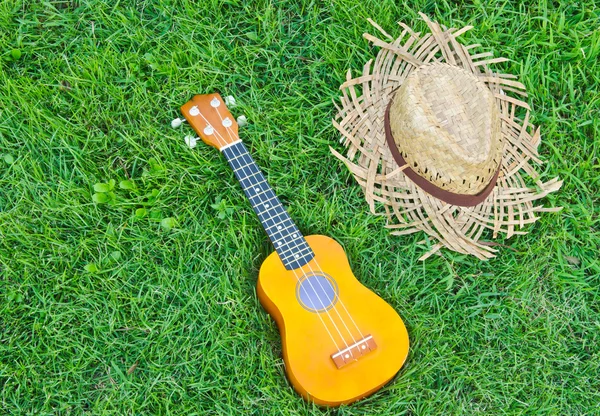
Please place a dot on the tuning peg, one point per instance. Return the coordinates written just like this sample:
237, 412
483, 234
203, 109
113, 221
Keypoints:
177, 122
191, 141
242, 121
230, 101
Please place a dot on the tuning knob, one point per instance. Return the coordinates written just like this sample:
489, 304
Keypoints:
191, 141
242, 121
177, 122
230, 101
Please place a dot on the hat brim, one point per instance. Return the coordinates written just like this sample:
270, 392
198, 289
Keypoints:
409, 207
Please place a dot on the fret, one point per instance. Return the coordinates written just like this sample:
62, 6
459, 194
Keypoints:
267, 203
247, 170
278, 220
280, 228
256, 195
286, 258
268, 207
245, 166
258, 186
238, 160
299, 262
295, 257
269, 222
295, 253
241, 157
235, 158
290, 244
250, 176
255, 185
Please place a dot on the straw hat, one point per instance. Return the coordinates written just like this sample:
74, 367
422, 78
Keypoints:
442, 142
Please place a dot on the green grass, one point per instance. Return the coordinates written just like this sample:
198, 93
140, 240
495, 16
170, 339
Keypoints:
89, 290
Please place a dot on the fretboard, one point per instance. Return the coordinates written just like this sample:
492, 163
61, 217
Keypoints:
290, 244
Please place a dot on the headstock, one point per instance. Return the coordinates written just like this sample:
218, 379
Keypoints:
211, 119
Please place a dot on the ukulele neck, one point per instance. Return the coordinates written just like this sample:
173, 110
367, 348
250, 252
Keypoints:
290, 244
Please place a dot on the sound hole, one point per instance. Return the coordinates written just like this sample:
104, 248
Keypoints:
316, 292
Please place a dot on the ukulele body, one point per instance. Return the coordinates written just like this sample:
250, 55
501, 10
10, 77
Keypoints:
306, 342
341, 342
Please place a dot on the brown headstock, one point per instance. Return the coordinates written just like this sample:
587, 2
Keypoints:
211, 119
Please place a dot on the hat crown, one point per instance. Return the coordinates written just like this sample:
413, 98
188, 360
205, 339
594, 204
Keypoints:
446, 126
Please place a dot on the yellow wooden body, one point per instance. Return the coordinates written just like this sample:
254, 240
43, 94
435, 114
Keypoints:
307, 347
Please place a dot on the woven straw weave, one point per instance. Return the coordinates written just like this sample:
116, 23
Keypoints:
408, 208
446, 125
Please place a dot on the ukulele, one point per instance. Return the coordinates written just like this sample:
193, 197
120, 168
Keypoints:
341, 342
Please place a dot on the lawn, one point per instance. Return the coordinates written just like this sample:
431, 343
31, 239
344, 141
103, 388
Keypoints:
143, 301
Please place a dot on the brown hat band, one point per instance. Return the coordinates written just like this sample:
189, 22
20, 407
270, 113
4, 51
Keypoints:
446, 196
